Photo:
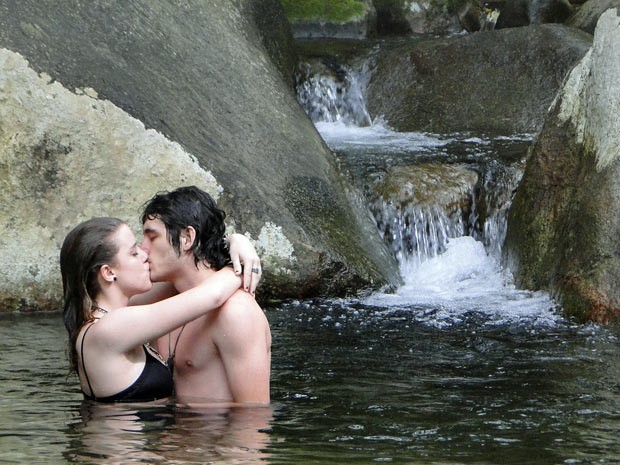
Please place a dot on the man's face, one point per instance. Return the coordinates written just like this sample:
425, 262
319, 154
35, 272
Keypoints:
162, 257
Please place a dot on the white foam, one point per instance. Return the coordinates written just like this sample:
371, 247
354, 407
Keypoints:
466, 279
339, 135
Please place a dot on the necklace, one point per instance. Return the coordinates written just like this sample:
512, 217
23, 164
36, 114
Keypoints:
95, 308
172, 352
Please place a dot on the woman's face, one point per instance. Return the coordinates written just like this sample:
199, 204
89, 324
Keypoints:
131, 266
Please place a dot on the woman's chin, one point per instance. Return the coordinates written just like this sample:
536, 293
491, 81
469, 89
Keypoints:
147, 287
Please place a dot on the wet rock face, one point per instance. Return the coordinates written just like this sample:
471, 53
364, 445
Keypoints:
493, 82
427, 184
563, 229
196, 78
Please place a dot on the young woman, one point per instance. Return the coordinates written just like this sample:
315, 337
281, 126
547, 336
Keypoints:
102, 266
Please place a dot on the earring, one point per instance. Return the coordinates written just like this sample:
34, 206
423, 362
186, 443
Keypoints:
114, 278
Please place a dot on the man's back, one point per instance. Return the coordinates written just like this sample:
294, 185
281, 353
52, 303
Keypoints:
224, 356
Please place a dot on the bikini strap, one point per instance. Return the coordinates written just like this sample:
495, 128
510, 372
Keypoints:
92, 393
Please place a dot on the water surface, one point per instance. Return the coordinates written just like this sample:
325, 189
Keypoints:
352, 382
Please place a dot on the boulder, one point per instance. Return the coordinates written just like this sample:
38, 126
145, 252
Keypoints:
270, 24
417, 16
102, 104
564, 225
494, 81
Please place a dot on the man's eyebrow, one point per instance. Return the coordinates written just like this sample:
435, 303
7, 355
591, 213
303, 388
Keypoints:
149, 231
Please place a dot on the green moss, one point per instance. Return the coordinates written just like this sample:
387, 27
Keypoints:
329, 10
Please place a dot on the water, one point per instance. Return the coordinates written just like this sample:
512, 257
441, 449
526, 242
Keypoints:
352, 383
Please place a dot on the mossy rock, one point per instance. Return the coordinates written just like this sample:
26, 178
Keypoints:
324, 10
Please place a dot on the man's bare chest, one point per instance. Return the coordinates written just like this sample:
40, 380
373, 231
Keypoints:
194, 348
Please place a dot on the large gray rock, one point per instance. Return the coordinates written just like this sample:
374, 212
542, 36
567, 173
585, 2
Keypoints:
564, 224
496, 81
167, 94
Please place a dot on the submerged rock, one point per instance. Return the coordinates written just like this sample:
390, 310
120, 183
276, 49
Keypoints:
418, 208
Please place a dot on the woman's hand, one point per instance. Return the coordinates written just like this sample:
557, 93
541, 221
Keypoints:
243, 252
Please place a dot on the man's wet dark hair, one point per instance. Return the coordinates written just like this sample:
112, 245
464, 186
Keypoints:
191, 206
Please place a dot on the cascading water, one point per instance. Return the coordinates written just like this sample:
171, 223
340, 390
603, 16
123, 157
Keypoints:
332, 98
447, 242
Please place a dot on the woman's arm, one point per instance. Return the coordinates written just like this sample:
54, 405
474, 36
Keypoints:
128, 327
241, 251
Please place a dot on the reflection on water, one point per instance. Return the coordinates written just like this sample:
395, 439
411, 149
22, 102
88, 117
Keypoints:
353, 382
43, 419
119, 434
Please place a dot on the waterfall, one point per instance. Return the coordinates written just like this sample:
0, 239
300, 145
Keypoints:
440, 203
498, 186
337, 96
415, 231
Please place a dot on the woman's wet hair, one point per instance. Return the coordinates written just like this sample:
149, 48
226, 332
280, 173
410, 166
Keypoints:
191, 206
84, 251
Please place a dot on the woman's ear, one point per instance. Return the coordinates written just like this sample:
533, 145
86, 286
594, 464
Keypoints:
107, 274
188, 236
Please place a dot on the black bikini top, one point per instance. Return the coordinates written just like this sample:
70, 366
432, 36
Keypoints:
155, 381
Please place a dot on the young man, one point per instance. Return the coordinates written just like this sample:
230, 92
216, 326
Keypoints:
225, 356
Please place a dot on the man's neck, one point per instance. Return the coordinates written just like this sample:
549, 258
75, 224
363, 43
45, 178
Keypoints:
191, 276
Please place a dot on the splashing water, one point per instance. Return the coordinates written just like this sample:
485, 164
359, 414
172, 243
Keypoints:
466, 280
334, 98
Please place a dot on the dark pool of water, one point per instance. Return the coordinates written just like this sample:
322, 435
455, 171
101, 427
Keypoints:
350, 384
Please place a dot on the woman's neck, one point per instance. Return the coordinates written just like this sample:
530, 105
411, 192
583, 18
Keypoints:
111, 301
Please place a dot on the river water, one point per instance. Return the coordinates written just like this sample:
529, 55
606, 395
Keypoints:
353, 382
455, 367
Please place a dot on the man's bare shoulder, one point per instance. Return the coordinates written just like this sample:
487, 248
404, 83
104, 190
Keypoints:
240, 322
240, 306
